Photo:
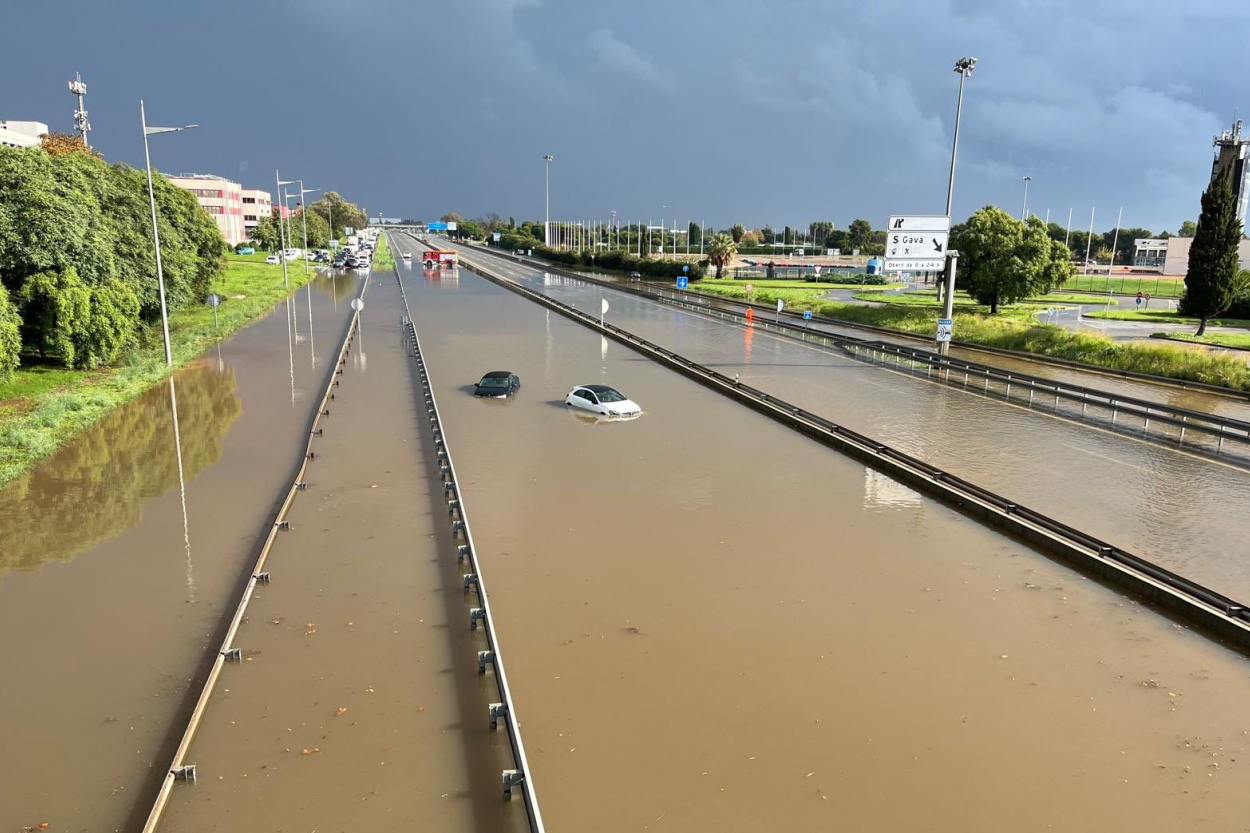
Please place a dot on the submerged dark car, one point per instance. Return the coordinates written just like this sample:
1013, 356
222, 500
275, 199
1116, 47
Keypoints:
497, 383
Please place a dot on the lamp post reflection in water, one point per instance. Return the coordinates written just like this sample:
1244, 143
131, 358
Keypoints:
312, 344
290, 348
182, 490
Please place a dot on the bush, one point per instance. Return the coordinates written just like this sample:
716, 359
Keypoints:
618, 261
1240, 307
85, 326
10, 335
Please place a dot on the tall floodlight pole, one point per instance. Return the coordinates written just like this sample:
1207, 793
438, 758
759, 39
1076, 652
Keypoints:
1089, 241
79, 88
1068, 234
156, 235
547, 199
702, 234
303, 216
618, 235
1024, 212
964, 67
286, 281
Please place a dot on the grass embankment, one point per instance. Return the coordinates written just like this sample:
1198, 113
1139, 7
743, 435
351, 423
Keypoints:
1164, 316
44, 406
1017, 329
1238, 341
383, 258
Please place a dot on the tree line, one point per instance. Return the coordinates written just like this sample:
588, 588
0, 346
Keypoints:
266, 234
77, 265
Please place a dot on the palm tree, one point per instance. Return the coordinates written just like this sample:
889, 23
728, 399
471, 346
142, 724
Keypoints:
721, 250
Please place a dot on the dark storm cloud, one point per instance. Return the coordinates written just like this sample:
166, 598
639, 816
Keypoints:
723, 111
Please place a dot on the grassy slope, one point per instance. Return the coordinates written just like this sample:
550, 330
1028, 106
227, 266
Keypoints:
1239, 340
1126, 285
1164, 316
1017, 329
43, 407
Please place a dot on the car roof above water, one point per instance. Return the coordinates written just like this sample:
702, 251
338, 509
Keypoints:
497, 374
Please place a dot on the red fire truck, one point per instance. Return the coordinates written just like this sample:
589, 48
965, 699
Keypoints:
439, 257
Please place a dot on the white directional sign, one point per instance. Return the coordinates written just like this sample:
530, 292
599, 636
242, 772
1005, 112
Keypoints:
916, 243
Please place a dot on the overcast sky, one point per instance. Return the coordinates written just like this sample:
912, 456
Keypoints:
721, 110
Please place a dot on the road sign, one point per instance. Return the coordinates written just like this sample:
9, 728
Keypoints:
214, 300
451, 226
818, 271
750, 288
497, 236
807, 315
685, 267
436, 226
683, 282
357, 304
916, 243
1139, 300
780, 305
919, 222
944, 329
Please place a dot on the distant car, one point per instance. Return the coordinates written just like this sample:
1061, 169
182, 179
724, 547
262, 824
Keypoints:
273, 260
321, 257
247, 250
635, 276
293, 254
407, 255
351, 263
603, 400
497, 383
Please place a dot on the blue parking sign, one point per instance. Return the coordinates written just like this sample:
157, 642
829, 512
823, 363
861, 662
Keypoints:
807, 315
683, 282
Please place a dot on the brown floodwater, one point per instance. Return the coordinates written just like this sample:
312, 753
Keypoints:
117, 563
713, 623
1174, 507
358, 705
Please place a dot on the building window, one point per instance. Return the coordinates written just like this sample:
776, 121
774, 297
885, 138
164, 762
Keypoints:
249, 218
249, 200
211, 193
214, 209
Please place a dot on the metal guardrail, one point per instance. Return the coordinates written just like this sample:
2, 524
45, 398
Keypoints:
1039, 358
1221, 614
1185, 419
179, 769
505, 710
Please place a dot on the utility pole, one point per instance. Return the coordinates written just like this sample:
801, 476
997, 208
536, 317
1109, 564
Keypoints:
1024, 212
281, 229
547, 199
79, 88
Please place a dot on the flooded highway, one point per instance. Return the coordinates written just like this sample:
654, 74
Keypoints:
358, 705
714, 623
1160, 502
118, 556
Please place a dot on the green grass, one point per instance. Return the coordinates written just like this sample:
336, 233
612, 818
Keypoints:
793, 284
1164, 316
382, 257
1017, 329
42, 406
1240, 341
929, 299
1125, 285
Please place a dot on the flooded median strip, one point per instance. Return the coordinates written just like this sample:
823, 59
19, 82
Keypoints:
179, 769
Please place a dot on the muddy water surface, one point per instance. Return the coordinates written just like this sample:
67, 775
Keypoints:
712, 623
114, 571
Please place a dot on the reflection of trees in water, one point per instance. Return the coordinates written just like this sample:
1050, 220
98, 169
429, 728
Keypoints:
344, 285
95, 488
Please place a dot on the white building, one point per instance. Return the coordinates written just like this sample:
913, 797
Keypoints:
22, 134
221, 198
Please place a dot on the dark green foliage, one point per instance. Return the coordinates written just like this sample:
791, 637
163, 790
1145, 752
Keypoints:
1212, 275
617, 261
333, 206
76, 232
1002, 260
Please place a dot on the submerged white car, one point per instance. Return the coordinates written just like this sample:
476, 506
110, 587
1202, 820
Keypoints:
602, 400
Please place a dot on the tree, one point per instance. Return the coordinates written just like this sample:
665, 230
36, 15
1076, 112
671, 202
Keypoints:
1212, 274
452, 217
469, 228
57, 143
859, 234
721, 251
694, 234
1002, 260
266, 235
751, 238
1188, 229
820, 231
332, 206
737, 231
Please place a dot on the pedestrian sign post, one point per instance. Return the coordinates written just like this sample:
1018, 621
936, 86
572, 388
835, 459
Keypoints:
1147, 300
1139, 299
807, 315
945, 326
683, 282
214, 301
685, 267
780, 306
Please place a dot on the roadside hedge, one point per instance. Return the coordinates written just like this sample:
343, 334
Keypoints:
624, 262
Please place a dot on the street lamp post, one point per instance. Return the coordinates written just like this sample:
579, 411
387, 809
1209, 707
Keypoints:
1024, 212
156, 235
547, 199
303, 218
282, 229
964, 67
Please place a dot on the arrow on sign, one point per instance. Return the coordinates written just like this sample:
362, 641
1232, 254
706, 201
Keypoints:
937, 246
898, 222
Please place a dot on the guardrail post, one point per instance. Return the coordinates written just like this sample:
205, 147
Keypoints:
511, 778
484, 658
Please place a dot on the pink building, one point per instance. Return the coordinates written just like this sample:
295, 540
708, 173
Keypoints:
221, 198
257, 204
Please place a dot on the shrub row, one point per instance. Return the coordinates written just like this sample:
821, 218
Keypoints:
624, 262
